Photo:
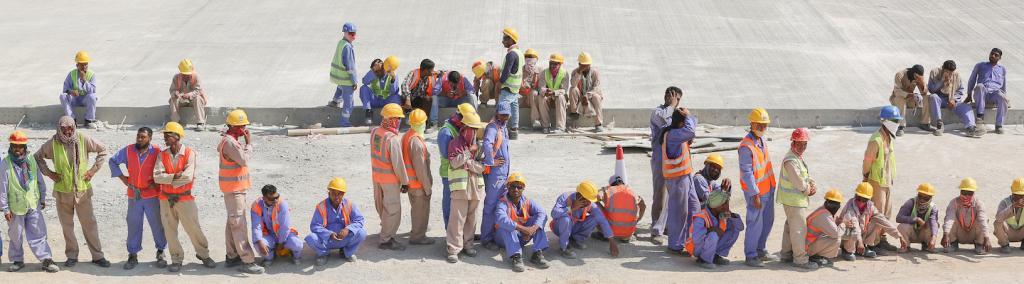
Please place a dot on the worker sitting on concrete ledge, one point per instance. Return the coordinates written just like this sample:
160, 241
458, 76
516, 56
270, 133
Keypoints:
80, 90
904, 97
379, 87
947, 91
186, 90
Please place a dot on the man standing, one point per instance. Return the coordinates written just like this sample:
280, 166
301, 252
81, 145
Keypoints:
714, 231
1009, 224
140, 159
448, 132
823, 231
390, 178
795, 189
919, 218
966, 221
904, 97
379, 86
554, 87
455, 90
69, 150
271, 227
520, 220
879, 167
80, 90
417, 167
175, 173
187, 91
419, 88
336, 224
22, 199
661, 118
757, 178
947, 91
678, 173
512, 77
865, 225
586, 94
467, 188
575, 215
496, 166
343, 73
234, 183
988, 84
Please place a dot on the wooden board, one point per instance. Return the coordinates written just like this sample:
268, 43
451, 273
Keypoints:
646, 144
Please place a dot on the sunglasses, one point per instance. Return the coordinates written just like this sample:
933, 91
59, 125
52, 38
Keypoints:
517, 186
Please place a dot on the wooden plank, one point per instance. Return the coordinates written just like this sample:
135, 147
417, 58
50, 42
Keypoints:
646, 144
714, 149
629, 134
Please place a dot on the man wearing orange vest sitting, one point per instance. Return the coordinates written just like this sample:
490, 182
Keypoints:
419, 88
336, 224
175, 172
574, 217
390, 178
234, 182
271, 227
822, 238
417, 166
714, 231
864, 225
757, 178
518, 221
966, 221
140, 159
678, 172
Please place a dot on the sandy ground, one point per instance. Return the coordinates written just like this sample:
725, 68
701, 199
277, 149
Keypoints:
301, 167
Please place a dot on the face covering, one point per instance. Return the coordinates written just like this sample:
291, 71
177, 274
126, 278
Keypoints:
66, 121
758, 133
711, 173
891, 127
419, 129
531, 62
967, 201
236, 132
15, 158
832, 207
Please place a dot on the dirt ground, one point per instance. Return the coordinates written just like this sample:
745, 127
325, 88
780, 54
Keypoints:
301, 167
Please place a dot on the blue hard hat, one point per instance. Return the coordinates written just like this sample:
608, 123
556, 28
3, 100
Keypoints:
349, 27
504, 108
890, 112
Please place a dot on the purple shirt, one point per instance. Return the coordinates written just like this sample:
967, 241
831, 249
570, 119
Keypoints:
747, 166
89, 87
562, 210
121, 158
284, 221
19, 171
676, 137
992, 77
905, 217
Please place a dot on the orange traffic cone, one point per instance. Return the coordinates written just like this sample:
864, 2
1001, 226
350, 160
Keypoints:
620, 167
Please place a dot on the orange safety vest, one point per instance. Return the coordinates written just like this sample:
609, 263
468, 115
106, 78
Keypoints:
621, 210
568, 204
814, 232
346, 209
168, 191
764, 176
273, 216
678, 167
233, 176
704, 214
512, 212
416, 83
446, 86
380, 157
140, 176
407, 138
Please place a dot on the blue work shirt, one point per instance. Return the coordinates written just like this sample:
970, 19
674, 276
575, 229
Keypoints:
562, 210
747, 166
504, 221
676, 137
89, 87
371, 78
121, 158
661, 117
992, 77
284, 221
335, 220
704, 187
20, 171
491, 133
511, 65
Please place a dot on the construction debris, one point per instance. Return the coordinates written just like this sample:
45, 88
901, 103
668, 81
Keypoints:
329, 131
646, 144
714, 149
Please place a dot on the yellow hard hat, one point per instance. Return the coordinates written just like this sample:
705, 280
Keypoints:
479, 68
585, 58
392, 110
82, 57
531, 52
391, 64
715, 159
834, 195
968, 184
512, 33
865, 190
417, 117
338, 184
472, 120
1018, 186
237, 117
926, 189
588, 190
759, 115
557, 57
18, 138
185, 67
174, 127
465, 108
516, 177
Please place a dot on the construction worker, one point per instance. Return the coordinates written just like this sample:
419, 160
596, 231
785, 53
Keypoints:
661, 117
918, 218
22, 199
714, 231
904, 97
379, 86
1009, 223
175, 173
467, 188
574, 217
531, 86
554, 87
879, 167
706, 180
512, 77
966, 221
586, 95
186, 91
343, 73
947, 91
336, 224
496, 167
621, 206
271, 227
757, 178
520, 220
678, 173
80, 90
419, 88
140, 158
823, 231
486, 81
986, 85
449, 131
234, 183
69, 149
796, 186
455, 90
864, 225
417, 167
390, 178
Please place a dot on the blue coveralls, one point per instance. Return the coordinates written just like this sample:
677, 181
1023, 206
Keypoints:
681, 194
759, 221
319, 238
284, 235
494, 182
509, 238
575, 224
707, 244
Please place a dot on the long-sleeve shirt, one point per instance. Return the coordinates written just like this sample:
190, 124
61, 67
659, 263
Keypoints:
473, 190
504, 221
420, 157
371, 78
992, 77
160, 175
937, 85
87, 86
975, 213
701, 230
562, 210
793, 176
531, 77
420, 89
660, 118
1006, 211
871, 153
826, 223
186, 88
564, 87
234, 151
20, 171
348, 58
676, 137
511, 65
284, 221
492, 134
121, 158
704, 187
903, 86
862, 219
589, 82
336, 220
906, 216
747, 165
91, 146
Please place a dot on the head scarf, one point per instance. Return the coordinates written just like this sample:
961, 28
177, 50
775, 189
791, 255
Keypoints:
18, 160
65, 121
717, 198
462, 143
390, 124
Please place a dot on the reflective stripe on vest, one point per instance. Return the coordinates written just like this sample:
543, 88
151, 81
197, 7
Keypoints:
339, 72
415, 84
788, 194
621, 210
168, 191
1014, 223
445, 163
557, 83
679, 166
515, 79
346, 210
140, 176
764, 177
62, 165
410, 171
515, 216
704, 214
19, 198
458, 179
877, 172
927, 215
384, 91
75, 84
256, 208
814, 232
380, 157
233, 176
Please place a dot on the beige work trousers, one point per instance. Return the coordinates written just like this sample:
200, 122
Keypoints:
420, 203
901, 102
972, 236
236, 229
196, 102
387, 199
1005, 234
186, 213
487, 93
824, 247
794, 234
589, 104
924, 235
461, 225
68, 204
871, 235
882, 200
545, 105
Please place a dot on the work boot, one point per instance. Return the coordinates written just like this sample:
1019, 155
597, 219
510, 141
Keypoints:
820, 260
721, 261
810, 265
786, 256
938, 129
899, 131
133, 260
251, 268
49, 266
847, 256
91, 124
351, 258
568, 253
869, 253
492, 246
391, 245
599, 236
979, 249
369, 117
546, 130
599, 128
556, 131
470, 252
577, 245
333, 104
924, 248
103, 262
453, 258
71, 262
706, 265
925, 127
670, 250
878, 250
536, 125
764, 256
999, 129
513, 134
424, 241
232, 262
538, 259
266, 262
174, 268
658, 239
160, 261
884, 244
953, 247
517, 263
208, 262
321, 261
754, 262
16, 266
296, 261
1004, 249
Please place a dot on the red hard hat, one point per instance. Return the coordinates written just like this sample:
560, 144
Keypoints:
801, 134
